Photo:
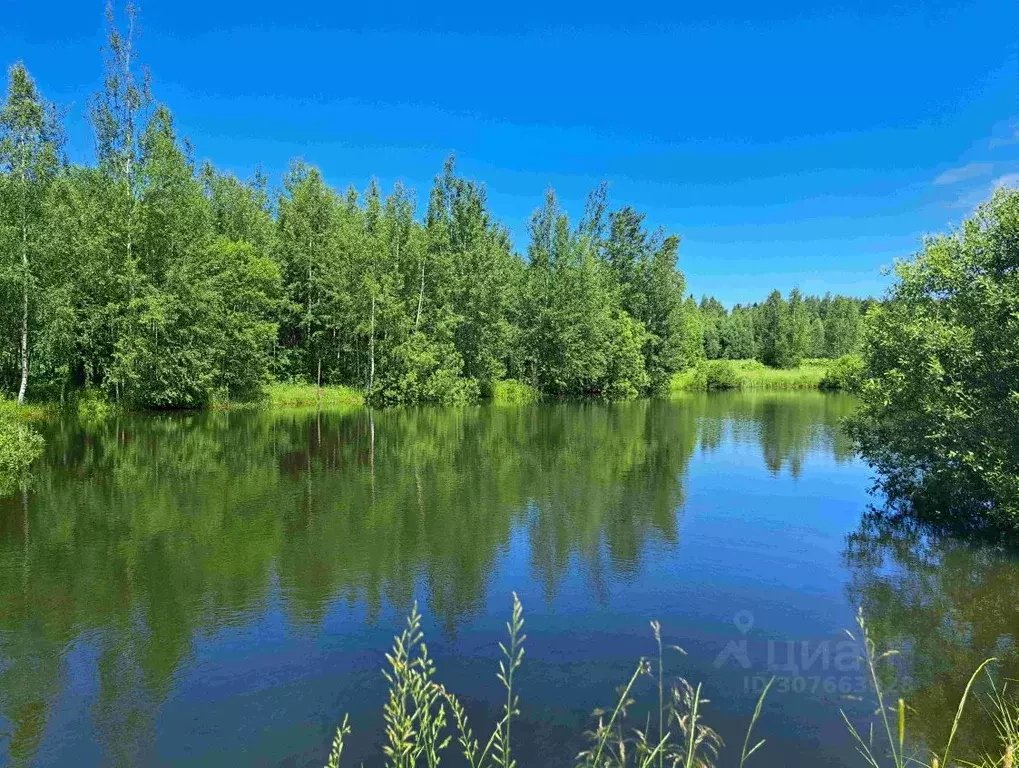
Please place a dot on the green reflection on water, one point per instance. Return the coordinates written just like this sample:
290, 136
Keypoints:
948, 604
142, 534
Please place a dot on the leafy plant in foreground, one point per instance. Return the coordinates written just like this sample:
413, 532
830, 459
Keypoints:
892, 718
416, 716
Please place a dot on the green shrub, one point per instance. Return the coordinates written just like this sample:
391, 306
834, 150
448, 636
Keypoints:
845, 373
721, 374
692, 379
20, 445
91, 405
750, 365
423, 370
513, 392
940, 396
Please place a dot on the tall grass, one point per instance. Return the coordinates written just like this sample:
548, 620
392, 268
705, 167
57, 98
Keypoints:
893, 749
513, 392
310, 396
419, 709
421, 717
749, 374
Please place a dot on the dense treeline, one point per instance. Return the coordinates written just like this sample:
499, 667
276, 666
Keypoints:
781, 332
162, 282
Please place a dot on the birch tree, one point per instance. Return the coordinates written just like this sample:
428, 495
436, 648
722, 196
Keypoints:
30, 142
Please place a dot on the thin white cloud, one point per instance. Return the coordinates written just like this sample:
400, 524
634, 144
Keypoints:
964, 173
1009, 136
973, 197
1008, 180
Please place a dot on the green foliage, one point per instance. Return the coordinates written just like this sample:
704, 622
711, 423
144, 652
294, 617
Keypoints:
845, 373
781, 332
650, 289
940, 397
91, 405
310, 396
584, 297
750, 374
842, 327
20, 445
513, 392
721, 374
30, 142
738, 337
424, 372
626, 374
778, 334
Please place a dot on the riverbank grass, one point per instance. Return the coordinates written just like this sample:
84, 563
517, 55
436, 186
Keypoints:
513, 392
310, 396
749, 374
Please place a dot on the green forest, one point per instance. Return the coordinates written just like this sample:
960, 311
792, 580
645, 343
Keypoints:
158, 281
150, 280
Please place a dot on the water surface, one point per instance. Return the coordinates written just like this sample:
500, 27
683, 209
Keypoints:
219, 588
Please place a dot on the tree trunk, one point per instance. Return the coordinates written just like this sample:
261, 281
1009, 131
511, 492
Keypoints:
421, 296
307, 314
24, 313
371, 347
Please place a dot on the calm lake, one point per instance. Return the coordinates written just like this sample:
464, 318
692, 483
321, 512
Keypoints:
219, 588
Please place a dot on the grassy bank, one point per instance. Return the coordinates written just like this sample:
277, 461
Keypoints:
713, 374
310, 396
423, 718
513, 392
751, 374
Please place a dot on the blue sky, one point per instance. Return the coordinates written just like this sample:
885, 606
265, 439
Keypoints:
790, 144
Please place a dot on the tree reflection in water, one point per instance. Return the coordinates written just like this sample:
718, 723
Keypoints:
143, 535
948, 604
